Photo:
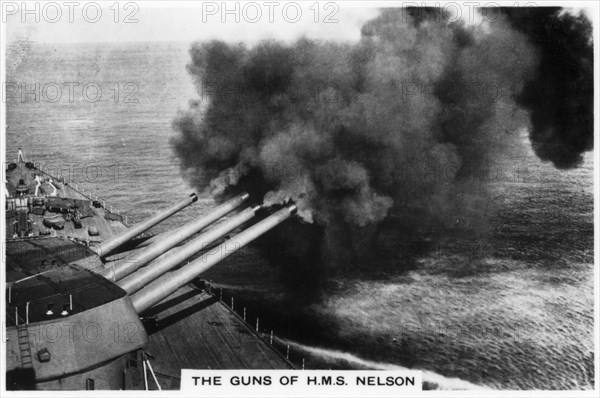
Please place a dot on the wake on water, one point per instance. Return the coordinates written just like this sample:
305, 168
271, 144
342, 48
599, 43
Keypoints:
435, 381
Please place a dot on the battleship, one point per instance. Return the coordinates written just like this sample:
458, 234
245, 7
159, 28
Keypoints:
93, 303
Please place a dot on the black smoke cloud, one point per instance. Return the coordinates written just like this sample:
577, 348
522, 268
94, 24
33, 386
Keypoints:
355, 133
560, 98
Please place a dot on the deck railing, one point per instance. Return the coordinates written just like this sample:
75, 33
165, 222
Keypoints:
256, 326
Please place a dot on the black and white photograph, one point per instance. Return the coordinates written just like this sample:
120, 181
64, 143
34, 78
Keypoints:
292, 199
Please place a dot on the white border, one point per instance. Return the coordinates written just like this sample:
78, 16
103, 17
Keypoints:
592, 5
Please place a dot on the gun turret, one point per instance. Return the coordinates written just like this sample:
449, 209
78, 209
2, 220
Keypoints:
131, 264
168, 284
70, 298
110, 245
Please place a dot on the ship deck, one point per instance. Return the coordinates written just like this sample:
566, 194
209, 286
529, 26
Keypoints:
194, 330
106, 228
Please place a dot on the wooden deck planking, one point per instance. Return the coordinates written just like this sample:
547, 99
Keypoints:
195, 342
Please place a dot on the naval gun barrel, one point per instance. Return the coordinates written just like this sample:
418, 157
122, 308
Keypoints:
171, 259
168, 284
143, 257
113, 243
